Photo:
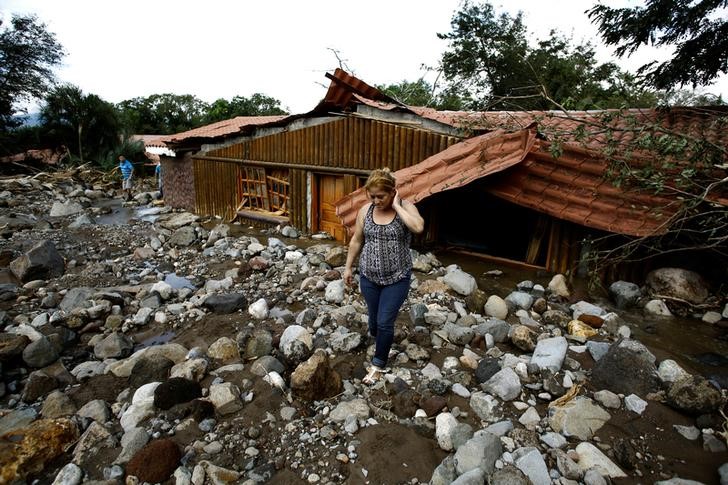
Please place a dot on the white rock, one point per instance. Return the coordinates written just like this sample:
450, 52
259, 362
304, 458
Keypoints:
160, 317
293, 333
505, 384
357, 407
164, 289
445, 424
550, 353
136, 413
431, 371
657, 307
89, 369
460, 281
193, 369
670, 371
590, 456
142, 316
496, 307
212, 286
145, 393
259, 309
553, 440
334, 292
226, 398
275, 380
532, 464
711, 317
460, 390
558, 286
635, 404
688, 432
71, 474
608, 399
174, 352
530, 418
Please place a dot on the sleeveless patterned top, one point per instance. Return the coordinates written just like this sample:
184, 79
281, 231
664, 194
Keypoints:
385, 257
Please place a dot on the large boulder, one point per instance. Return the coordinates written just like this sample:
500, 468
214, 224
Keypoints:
183, 237
480, 451
42, 262
628, 367
460, 282
76, 298
550, 353
579, 417
62, 209
156, 462
677, 283
694, 395
225, 303
314, 379
624, 293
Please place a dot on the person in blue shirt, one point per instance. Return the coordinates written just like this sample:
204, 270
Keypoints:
158, 174
127, 171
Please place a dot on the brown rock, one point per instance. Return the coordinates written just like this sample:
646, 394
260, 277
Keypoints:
433, 405
258, 263
57, 404
580, 329
156, 462
315, 379
27, 450
432, 286
39, 384
476, 301
523, 338
12, 346
540, 306
694, 395
404, 404
593, 321
142, 254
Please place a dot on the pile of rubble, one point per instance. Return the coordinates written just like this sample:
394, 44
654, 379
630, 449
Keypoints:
181, 352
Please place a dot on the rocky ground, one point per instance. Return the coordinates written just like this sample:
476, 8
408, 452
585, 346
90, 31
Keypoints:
184, 351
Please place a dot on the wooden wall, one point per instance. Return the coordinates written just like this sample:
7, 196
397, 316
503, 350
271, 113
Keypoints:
349, 142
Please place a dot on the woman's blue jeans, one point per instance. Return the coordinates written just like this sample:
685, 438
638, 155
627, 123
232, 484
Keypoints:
383, 303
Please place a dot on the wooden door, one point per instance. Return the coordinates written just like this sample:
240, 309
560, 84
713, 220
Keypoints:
329, 188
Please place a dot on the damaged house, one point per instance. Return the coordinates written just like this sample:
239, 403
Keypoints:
527, 187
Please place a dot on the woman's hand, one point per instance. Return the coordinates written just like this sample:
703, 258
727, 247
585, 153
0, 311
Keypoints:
397, 199
348, 277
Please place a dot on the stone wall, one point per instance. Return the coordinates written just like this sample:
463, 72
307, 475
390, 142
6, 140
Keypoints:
178, 182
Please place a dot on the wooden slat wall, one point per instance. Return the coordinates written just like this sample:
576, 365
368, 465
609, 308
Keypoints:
216, 188
348, 143
298, 209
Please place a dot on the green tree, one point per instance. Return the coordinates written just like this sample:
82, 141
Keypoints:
28, 54
490, 60
256, 105
162, 113
422, 93
85, 123
698, 31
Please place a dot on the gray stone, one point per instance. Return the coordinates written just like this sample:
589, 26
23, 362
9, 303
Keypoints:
163, 289
472, 477
677, 283
142, 316
590, 456
723, 470
258, 309
579, 417
183, 237
63, 209
505, 384
114, 346
98, 410
713, 444
635, 404
679, 481
334, 292
265, 364
17, 419
532, 464
260, 343
688, 432
40, 353
225, 303
296, 343
658, 307
597, 349
175, 221
226, 398
480, 451
445, 472
81, 221
417, 314
70, 474
449, 433
519, 299
56, 405
624, 293
458, 335
41, 262
487, 368
626, 368
344, 341
593, 477
87, 370
501, 428
530, 418
356, 407
558, 286
499, 329
509, 475
132, 441
711, 317
608, 399
460, 282
485, 406
553, 440
584, 307
550, 353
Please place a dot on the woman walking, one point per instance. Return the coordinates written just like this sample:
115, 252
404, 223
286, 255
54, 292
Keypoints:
382, 234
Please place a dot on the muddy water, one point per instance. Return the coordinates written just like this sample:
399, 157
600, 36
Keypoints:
685, 340
119, 215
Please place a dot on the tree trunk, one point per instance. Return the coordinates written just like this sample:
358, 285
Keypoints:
80, 147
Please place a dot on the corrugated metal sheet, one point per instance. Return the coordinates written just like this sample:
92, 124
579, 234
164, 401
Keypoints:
225, 127
454, 167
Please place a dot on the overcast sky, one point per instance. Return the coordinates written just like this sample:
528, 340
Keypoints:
219, 49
